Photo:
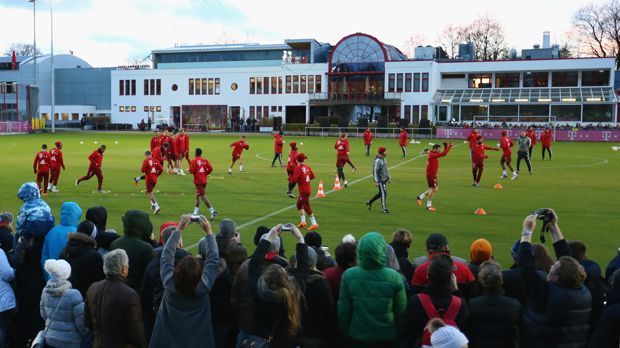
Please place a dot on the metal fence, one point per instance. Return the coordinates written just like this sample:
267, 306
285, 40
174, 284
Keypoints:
378, 132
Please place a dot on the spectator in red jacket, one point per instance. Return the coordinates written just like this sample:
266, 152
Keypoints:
368, 140
278, 145
532, 135
546, 138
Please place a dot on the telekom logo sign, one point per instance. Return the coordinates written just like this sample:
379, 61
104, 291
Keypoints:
560, 134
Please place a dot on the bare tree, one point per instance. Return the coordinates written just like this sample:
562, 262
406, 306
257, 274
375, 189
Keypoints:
450, 38
21, 49
487, 34
412, 42
589, 22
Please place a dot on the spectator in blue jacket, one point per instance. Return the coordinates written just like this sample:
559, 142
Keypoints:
56, 238
35, 216
7, 298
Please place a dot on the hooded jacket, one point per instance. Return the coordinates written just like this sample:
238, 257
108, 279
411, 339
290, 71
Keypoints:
7, 273
35, 216
137, 228
372, 296
65, 325
105, 237
86, 263
56, 238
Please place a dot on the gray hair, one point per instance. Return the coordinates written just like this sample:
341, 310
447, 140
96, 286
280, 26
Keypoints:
275, 245
114, 262
490, 276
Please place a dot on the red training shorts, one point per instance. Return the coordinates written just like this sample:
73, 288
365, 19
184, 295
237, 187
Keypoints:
303, 202
200, 189
477, 164
507, 158
431, 180
342, 160
236, 156
150, 185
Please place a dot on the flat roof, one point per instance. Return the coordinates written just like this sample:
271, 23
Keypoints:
223, 48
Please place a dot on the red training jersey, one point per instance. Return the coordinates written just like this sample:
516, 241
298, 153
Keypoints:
151, 168
157, 154
460, 270
42, 162
342, 146
96, 159
278, 143
367, 137
432, 165
292, 163
56, 160
505, 144
532, 135
155, 142
402, 138
239, 146
303, 175
479, 154
473, 139
179, 144
201, 168
546, 138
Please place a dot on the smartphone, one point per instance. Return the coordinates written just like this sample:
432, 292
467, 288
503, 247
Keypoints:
286, 227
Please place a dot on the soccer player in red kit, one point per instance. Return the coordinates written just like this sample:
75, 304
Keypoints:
56, 162
151, 169
342, 148
180, 151
432, 167
238, 147
303, 175
506, 144
477, 160
201, 168
184, 146
546, 138
158, 155
278, 145
402, 141
368, 140
41, 167
290, 168
532, 135
94, 168
156, 140
472, 138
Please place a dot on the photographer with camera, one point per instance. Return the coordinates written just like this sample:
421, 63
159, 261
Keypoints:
558, 310
184, 317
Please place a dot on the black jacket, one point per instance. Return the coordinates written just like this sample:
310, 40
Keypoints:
613, 265
323, 261
607, 331
86, 263
494, 321
6, 240
406, 268
99, 217
555, 316
221, 307
514, 286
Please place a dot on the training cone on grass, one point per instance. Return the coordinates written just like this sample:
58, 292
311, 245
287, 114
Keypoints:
498, 186
480, 211
337, 186
321, 192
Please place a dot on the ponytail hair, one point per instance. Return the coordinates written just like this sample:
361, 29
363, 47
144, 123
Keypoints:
277, 279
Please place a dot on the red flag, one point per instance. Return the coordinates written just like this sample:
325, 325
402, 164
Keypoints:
13, 61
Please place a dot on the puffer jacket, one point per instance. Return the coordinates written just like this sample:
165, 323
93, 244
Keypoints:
7, 297
372, 297
86, 263
62, 308
56, 238
35, 216
137, 227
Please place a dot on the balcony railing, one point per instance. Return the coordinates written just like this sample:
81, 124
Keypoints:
358, 97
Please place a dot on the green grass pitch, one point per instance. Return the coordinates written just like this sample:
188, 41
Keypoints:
581, 184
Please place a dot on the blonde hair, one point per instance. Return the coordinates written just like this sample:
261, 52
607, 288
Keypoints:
403, 237
277, 279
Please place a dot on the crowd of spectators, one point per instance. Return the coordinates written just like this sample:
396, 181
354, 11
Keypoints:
78, 284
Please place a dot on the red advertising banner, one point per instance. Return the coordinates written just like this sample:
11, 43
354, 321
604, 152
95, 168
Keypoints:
560, 134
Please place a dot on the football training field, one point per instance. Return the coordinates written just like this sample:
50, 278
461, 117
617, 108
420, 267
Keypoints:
581, 184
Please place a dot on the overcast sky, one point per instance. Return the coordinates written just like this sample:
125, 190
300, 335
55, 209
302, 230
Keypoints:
113, 32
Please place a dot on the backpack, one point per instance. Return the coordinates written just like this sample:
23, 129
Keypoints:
448, 316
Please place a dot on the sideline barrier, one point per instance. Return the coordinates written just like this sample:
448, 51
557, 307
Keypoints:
14, 127
560, 134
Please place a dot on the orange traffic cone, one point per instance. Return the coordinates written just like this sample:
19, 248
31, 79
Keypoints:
498, 186
321, 193
337, 184
480, 211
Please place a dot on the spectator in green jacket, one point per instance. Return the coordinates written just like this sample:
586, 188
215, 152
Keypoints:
372, 296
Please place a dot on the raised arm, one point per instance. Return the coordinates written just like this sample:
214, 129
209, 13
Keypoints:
537, 287
209, 272
166, 268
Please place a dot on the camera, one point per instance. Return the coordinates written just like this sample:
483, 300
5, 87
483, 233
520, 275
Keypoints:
546, 215
194, 218
286, 228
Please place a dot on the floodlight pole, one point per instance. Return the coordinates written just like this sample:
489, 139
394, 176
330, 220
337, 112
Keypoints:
53, 101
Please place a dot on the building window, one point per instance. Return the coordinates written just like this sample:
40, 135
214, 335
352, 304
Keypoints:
146, 87
415, 113
424, 113
303, 84
310, 83
564, 78
507, 80
204, 86
127, 87
295, 83
280, 108
133, 109
480, 81
158, 108
266, 84
408, 82
175, 87
265, 111
595, 78
289, 85
252, 114
416, 82
317, 83
391, 82
211, 87
566, 113
121, 87
407, 115
597, 113
146, 108
279, 84
274, 109
217, 86
121, 109
424, 82
198, 86
535, 79
259, 112
158, 86
399, 82
191, 86
259, 85
133, 87
274, 85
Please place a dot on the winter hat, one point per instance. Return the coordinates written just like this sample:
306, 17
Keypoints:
88, 228
480, 251
166, 230
349, 239
225, 236
313, 239
292, 144
58, 269
6, 218
382, 150
448, 337
260, 231
273, 248
312, 257
436, 241
301, 157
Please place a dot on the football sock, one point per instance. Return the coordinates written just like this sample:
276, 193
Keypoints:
429, 203
303, 219
196, 210
156, 205
212, 210
313, 220
241, 168
504, 172
422, 195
